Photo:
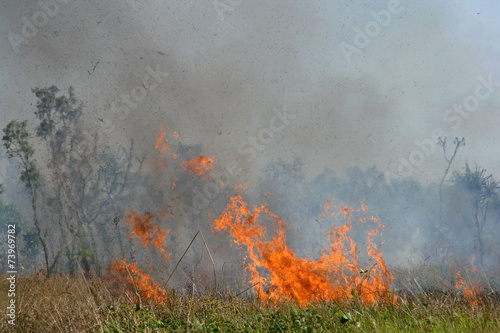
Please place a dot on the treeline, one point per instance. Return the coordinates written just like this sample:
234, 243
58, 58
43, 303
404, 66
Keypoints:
77, 189
80, 190
458, 219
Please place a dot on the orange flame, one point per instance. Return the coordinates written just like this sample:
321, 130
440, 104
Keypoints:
129, 278
163, 146
472, 259
275, 269
149, 233
199, 166
470, 292
336, 276
328, 209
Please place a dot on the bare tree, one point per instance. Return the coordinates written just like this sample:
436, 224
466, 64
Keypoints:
442, 142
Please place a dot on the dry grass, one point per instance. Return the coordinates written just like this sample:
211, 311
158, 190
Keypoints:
76, 304
59, 304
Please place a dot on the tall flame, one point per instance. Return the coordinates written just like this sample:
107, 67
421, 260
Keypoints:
128, 277
275, 270
336, 276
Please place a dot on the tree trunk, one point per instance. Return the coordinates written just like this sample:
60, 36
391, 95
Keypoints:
479, 245
39, 231
120, 240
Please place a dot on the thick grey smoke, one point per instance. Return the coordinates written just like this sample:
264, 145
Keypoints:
230, 66
363, 83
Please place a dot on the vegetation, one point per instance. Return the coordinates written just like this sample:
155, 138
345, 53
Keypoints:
82, 190
64, 304
17, 145
481, 190
442, 142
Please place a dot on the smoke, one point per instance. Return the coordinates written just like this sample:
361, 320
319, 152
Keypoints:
229, 68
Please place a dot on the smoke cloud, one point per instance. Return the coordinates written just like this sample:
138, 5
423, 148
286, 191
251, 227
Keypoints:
363, 84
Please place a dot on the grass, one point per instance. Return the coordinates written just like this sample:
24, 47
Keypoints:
76, 304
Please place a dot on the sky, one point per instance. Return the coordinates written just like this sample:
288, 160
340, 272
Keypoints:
336, 83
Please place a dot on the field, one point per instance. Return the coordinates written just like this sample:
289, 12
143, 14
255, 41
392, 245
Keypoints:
77, 304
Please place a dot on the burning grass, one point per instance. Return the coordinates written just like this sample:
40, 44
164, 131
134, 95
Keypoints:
76, 304
128, 278
347, 288
336, 276
277, 274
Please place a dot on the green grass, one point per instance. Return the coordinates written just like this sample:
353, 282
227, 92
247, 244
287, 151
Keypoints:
69, 304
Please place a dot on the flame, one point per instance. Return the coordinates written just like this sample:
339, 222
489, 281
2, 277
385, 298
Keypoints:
129, 278
329, 211
472, 259
142, 227
163, 146
470, 292
199, 166
275, 270
336, 276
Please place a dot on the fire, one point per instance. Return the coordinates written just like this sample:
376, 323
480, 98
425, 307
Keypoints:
276, 272
129, 278
163, 147
470, 292
329, 211
199, 166
142, 227
473, 267
336, 276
